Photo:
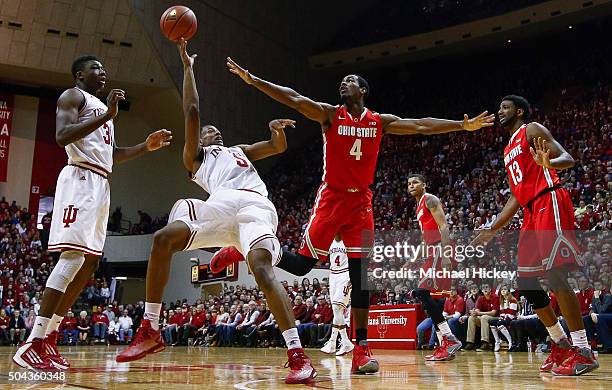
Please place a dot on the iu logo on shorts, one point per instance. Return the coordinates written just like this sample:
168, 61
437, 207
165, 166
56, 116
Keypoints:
70, 215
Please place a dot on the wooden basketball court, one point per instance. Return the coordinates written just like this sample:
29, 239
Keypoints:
240, 368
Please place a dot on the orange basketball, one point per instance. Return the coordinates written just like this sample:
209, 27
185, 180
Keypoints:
178, 22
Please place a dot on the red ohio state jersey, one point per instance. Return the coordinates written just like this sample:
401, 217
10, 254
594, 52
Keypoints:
350, 149
527, 179
427, 223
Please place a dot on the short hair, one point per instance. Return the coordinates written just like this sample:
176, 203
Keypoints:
520, 102
418, 176
363, 84
79, 63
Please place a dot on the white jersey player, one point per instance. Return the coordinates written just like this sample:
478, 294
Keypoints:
340, 292
237, 215
84, 126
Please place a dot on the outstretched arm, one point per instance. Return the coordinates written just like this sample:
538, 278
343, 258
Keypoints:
67, 130
319, 112
437, 211
191, 110
427, 126
546, 151
276, 145
155, 141
509, 210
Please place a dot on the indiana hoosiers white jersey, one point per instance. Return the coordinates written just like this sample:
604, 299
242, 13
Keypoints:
339, 280
94, 151
337, 257
229, 169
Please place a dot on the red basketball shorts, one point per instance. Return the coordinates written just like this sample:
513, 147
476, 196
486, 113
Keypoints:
339, 211
547, 239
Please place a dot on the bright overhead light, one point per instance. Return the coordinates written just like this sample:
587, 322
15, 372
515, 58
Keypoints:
509, 40
570, 27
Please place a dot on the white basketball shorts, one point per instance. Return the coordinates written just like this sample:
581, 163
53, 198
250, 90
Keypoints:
80, 211
240, 218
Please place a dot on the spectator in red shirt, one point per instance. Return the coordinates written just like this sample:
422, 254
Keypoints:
99, 321
454, 308
69, 329
4, 331
487, 307
508, 307
83, 327
171, 326
299, 309
196, 321
321, 322
585, 296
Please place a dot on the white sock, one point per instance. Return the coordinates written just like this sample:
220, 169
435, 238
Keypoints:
152, 314
334, 335
556, 332
444, 329
579, 339
39, 329
54, 323
439, 334
495, 334
343, 336
292, 339
506, 333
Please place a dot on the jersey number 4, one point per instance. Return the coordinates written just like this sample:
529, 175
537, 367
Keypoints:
515, 172
356, 149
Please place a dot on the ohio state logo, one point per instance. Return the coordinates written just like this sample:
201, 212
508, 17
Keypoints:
70, 215
383, 325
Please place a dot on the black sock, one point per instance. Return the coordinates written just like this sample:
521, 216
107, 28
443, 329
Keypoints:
361, 335
296, 264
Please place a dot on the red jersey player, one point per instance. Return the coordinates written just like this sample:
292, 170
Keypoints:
351, 141
546, 243
430, 214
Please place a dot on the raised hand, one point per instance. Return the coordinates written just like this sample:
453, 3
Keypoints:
541, 154
482, 120
112, 101
159, 139
279, 124
186, 58
238, 70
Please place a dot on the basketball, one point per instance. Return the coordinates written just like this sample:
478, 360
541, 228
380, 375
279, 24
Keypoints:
178, 22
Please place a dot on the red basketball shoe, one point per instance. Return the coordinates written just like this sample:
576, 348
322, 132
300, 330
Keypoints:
446, 351
301, 367
224, 257
363, 362
581, 361
51, 347
146, 342
33, 356
559, 352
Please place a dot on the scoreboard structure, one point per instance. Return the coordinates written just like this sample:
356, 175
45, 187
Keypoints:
201, 274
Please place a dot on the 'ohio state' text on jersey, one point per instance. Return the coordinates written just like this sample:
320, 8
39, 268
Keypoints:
350, 149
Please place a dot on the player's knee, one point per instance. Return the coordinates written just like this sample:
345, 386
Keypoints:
557, 280
260, 263
68, 265
164, 240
